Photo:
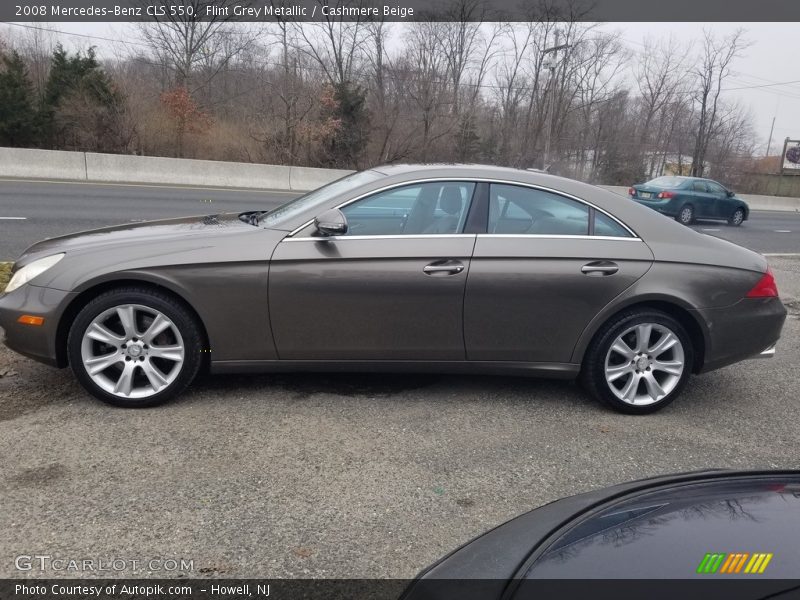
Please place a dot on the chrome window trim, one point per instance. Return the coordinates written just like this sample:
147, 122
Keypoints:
422, 236
477, 180
612, 238
410, 236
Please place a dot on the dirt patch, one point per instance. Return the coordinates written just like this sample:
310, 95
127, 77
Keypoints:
5, 274
39, 476
27, 386
792, 307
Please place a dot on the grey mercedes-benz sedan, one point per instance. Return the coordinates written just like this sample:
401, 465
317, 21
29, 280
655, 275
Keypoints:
443, 268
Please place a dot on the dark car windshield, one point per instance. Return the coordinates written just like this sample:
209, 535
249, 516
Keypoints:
667, 182
670, 533
288, 211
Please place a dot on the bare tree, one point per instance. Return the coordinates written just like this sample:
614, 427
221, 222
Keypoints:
184, 42
712, 70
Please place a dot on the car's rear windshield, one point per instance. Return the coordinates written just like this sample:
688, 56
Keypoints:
290, 210
666, 181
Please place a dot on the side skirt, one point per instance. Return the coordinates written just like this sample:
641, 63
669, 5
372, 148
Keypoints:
525, 369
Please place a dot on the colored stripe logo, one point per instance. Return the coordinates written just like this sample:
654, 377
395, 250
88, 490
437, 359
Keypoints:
734, 563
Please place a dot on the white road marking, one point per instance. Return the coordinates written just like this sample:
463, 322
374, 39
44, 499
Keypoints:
13, 218
710, 229
783, 231
783, 254
150, 185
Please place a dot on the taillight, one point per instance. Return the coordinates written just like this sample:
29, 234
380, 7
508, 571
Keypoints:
631, 191
765, 288
665, 195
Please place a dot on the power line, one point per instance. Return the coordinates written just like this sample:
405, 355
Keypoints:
465, 84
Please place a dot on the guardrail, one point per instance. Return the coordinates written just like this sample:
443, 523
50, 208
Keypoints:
121, 168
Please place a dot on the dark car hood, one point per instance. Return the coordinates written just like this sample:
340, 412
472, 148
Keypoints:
137, 233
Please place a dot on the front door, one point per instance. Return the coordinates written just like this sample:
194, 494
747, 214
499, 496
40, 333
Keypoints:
392, 288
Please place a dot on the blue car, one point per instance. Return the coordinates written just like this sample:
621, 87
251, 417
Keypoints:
690, 198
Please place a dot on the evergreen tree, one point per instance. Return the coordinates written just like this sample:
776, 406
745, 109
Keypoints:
77, 91
17, 113
344, 148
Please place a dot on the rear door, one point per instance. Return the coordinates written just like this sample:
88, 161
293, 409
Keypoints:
392, 288
546, 266
721, 204
701, 199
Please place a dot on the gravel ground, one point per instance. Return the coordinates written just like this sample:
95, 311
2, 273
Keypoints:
351, 476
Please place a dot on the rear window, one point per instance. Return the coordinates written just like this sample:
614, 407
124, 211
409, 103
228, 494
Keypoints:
666, 181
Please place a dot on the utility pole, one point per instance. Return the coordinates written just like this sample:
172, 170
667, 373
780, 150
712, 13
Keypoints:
771, 129
550, 90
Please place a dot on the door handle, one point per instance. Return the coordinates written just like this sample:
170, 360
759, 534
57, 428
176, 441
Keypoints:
600, 267
452, 268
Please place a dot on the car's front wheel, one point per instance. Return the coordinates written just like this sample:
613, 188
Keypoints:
134, 347
638, 362
737, 218
685, 214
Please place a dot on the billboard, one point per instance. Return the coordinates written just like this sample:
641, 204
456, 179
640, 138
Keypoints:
791, 157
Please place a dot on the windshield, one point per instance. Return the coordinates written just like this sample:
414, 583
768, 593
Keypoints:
303, 203
669, 182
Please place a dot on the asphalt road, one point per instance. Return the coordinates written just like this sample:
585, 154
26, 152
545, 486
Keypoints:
52, 209
351, 476
31, 211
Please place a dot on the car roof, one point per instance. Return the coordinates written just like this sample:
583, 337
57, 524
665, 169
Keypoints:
456, 168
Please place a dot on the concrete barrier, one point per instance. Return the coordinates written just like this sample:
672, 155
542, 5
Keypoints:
42, 164
308, 178
173, 171
120, 168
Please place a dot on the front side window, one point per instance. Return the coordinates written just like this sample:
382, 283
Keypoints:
715, 188
699, 186
520, 210
421, 209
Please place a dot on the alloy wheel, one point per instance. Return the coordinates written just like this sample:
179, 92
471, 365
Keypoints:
644, 364
132, 351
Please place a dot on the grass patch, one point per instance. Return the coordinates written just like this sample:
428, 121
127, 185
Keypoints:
5, 274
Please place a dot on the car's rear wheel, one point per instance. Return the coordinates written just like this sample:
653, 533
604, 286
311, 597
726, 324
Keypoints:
134, 347
638, 362
685, 214
737, 218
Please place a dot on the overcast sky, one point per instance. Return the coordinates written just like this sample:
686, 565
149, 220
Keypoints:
771, 58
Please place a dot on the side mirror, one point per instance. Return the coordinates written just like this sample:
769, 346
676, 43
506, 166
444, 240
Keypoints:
331, 222
730, 193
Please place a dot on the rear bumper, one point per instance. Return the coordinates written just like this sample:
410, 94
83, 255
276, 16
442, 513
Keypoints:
748, 329
665, 207
36, 342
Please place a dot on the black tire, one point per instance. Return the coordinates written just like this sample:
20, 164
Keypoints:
737, 217
593, 377
685, 215
173, 309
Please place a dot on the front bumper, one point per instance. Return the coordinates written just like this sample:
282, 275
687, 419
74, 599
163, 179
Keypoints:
36, 342
748, 329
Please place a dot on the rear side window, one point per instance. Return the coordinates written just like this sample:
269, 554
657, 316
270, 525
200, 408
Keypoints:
521, 210
606, 226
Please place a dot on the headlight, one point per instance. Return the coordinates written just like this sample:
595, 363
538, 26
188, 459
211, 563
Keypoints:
31, 270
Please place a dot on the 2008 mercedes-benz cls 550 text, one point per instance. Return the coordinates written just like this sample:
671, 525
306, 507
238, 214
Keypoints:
446, 268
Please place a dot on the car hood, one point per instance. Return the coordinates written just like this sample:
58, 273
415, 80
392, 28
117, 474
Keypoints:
143, 250
137, 233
